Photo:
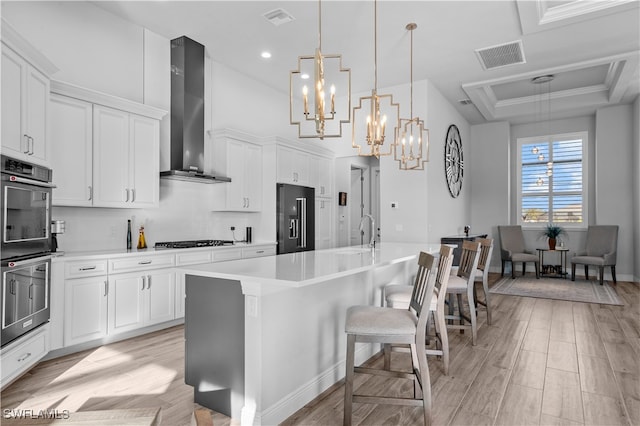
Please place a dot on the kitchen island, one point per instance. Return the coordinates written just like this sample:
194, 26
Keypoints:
265, 336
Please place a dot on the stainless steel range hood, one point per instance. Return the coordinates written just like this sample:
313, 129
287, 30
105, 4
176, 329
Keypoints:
187, 113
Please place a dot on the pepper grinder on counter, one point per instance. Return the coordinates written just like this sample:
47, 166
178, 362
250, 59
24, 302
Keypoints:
248, 235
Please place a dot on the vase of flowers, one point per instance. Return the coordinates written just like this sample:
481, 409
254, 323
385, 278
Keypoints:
552, 232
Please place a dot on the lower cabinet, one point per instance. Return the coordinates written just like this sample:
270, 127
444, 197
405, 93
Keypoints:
85, 316
19, 356
139, 299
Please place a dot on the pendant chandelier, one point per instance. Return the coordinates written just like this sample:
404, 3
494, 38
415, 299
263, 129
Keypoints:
538, 81
369, 139
314, 118
410, 132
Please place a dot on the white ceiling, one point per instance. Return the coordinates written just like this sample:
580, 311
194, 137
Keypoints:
591, 47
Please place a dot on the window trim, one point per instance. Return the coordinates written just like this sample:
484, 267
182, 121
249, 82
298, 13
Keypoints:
584, 136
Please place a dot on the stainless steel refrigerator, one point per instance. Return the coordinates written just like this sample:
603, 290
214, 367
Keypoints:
296, 228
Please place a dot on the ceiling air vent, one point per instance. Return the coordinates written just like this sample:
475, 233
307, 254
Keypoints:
465, 101
278, 17
501, 55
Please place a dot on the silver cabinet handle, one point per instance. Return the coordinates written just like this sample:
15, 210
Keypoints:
88, 268
106, 287
144, 262
90, 192
247, 202
144, 282
148, 282
260, 251
31, 151
127, 192
133, 195
25, 356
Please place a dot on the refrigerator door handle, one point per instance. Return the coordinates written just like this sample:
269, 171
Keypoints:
302, 208
293, 229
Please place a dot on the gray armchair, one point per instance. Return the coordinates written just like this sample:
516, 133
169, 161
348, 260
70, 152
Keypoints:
512, 249
602, 245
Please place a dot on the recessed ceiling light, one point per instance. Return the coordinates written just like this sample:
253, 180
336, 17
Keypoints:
266, 54
304, 76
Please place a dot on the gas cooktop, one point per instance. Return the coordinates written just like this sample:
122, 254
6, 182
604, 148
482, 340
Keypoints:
192, 243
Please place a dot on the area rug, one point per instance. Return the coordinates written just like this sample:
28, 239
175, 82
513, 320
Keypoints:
587, 291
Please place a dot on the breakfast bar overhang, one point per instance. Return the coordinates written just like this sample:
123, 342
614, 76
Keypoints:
264, 336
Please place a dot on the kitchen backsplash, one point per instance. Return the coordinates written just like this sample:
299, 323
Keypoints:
184, 214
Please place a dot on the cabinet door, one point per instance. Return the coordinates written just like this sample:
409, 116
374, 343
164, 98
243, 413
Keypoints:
14, 143
126, 302
111, 157
160, 296
36, 111
85, 315
144, 166
253, 178
324, 230
236, 197
293, 166
71, 135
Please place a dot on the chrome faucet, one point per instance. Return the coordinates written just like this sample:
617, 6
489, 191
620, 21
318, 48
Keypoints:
372, 242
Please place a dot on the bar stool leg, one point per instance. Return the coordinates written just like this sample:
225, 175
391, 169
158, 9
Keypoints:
348, 380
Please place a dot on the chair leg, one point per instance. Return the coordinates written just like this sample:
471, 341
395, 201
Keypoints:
524, 268
601, 274
387, 356
473, 317
348, 380
513, 270
586, 272
573, 272
502, 273
460, 311
485, 288
425, 380
441, 328
613, 273
537, 267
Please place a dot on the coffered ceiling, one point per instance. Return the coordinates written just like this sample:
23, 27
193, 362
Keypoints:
590, 47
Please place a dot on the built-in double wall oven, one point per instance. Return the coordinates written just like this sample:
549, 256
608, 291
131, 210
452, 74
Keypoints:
26, 247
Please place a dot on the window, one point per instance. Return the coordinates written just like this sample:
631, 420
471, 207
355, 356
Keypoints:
552, 184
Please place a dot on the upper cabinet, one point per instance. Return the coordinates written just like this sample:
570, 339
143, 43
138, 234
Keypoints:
321, 175
25, 99
118, 142
239, 157
293, 166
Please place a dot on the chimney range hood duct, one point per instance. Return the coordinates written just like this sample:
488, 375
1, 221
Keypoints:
187, 113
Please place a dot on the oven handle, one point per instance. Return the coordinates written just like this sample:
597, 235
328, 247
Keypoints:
27, 181
29, 261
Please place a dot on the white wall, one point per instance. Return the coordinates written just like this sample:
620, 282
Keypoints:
489, 181
614, 180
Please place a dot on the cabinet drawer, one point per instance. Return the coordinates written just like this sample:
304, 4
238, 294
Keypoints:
141, 263
226, 254
193, 257
19, 358
85, 268
258, 251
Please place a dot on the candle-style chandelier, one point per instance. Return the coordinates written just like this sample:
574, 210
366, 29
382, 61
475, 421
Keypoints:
312, 117
374, 133
409, 133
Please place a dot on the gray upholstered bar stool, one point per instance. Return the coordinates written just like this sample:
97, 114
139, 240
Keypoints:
376, 324
398, 296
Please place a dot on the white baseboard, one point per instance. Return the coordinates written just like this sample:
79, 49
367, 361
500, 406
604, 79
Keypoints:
297, 399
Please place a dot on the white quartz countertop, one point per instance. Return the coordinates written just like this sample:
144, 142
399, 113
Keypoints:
310, 267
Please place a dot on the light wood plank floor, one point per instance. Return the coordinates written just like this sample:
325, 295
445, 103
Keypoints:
541, 362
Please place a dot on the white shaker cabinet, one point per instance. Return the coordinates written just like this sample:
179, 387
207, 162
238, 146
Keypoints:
324, 228
25, 106
236, 157
126, 165
72, 160
85, 316
139, 299
321, 171
293, 166
107, 149
86, 292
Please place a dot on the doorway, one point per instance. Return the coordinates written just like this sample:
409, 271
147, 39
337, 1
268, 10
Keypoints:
365, 200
